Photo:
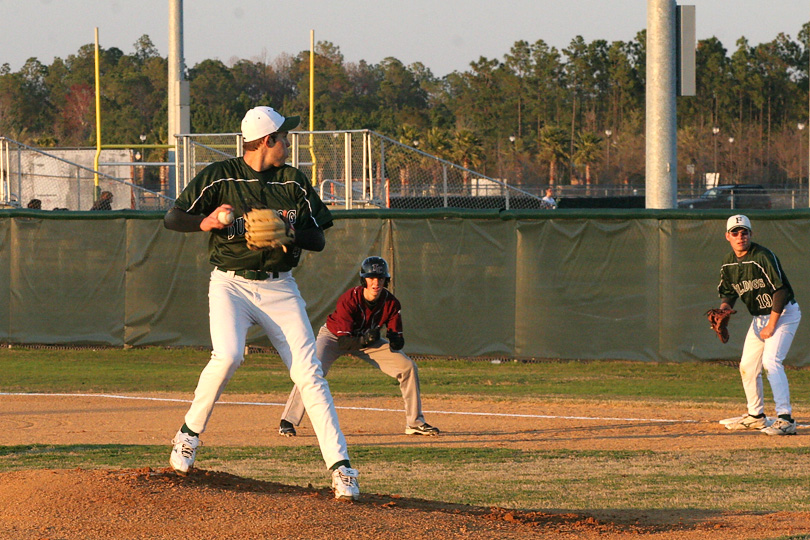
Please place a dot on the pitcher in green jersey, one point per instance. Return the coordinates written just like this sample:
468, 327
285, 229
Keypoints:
250, 287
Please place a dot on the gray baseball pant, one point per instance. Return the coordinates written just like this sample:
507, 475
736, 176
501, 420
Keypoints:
393, 363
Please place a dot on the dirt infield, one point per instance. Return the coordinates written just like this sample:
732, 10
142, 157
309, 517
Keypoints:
155, 504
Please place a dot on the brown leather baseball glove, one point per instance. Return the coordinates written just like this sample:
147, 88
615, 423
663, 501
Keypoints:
265, 229
718, 320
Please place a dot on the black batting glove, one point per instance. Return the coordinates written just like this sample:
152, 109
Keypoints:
396, 342
370, 336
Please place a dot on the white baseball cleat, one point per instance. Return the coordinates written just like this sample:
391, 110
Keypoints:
781, 427
184, 452
748, 422
344, 482
424, 429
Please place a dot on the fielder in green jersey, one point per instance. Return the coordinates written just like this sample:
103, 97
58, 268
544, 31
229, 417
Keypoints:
753, 273
250, 287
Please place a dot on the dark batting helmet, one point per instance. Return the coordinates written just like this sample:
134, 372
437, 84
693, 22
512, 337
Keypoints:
374, 267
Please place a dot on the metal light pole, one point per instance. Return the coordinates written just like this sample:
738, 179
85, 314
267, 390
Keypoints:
731, 150
138, 178
608, 133
661, 156
690, 169
143, 154
800, 127
178, 87
716, 132
513, 159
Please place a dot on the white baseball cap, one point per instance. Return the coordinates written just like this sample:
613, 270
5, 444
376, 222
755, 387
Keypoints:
261, 121
737, 221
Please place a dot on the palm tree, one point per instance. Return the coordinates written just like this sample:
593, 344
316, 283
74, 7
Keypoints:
439, 143
409, 135
468, 152
587, 151
404, 159
551, 145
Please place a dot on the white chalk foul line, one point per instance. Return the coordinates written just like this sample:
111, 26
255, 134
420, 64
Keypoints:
460, 413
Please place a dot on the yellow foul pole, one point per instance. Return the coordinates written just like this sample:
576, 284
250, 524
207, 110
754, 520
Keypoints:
98, 125
312, 107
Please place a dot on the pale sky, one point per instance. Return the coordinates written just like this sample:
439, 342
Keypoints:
445, 35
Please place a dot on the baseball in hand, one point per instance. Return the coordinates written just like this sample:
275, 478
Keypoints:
225, 217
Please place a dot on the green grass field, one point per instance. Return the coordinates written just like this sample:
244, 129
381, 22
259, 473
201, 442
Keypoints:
177, 370
550, 479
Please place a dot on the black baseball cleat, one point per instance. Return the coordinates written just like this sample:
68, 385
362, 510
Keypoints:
286, 429
424, 429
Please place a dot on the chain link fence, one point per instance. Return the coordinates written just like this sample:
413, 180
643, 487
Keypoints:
351, 169
761, 197
196, 151
362, 169
64, 179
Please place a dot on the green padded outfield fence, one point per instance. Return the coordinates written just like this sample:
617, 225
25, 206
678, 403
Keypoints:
570, 284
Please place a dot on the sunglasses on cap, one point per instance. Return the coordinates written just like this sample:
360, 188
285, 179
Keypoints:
741, 231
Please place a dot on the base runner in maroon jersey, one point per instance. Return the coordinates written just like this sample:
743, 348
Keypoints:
354, 329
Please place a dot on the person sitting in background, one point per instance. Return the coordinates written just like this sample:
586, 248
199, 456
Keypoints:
549, 198
104, 202
35, 204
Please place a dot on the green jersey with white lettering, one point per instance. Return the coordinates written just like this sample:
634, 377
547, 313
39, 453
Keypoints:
753, 278
284, 189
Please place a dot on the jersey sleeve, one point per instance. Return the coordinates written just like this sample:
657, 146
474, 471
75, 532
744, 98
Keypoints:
772, 269
724, 288
201, 195
312, 211
341, 321
394, 324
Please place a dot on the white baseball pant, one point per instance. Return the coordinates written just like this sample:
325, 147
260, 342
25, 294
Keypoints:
276, 305
768, 354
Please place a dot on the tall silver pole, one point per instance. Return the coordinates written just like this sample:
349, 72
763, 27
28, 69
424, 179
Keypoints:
179, 114
175, 65
661, 159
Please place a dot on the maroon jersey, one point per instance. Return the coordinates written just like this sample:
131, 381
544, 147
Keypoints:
353, 316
